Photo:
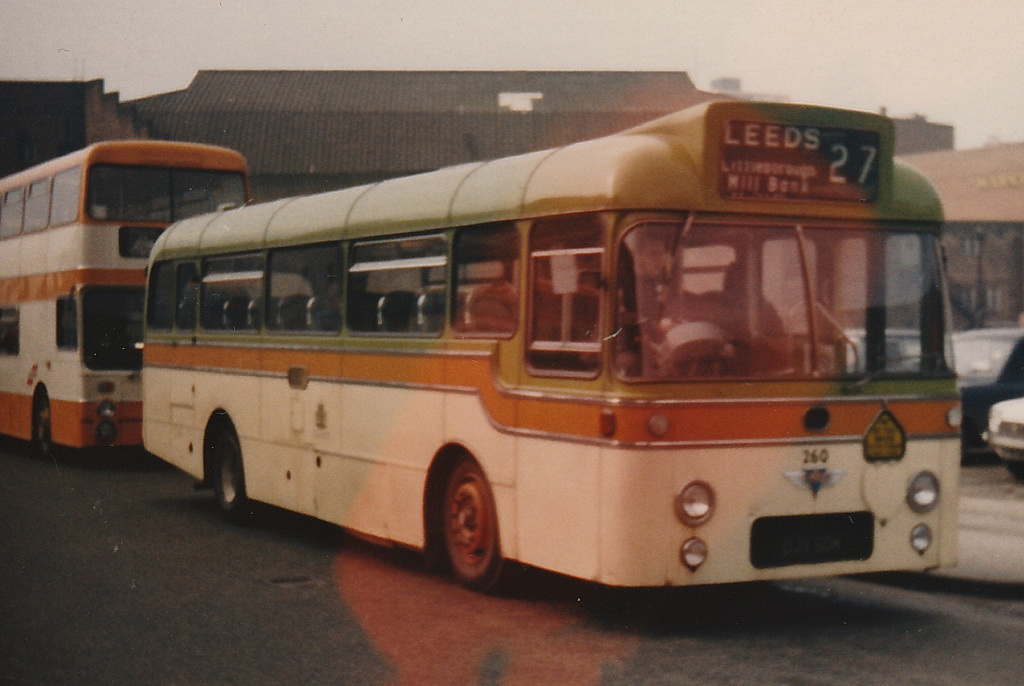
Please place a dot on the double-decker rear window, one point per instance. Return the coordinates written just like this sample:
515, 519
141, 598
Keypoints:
123, 193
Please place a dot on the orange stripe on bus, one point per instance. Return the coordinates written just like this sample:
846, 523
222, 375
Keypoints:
688, 421
48, 286
73, 423
16, 415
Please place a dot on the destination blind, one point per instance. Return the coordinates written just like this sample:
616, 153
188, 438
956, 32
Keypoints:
772, 161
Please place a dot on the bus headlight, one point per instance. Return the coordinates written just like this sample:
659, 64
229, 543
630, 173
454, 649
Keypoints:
923, 492
695, 503
106, 432
106, 409
693, 553
921, 538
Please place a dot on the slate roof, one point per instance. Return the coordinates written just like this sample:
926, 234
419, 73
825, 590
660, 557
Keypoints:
390, 122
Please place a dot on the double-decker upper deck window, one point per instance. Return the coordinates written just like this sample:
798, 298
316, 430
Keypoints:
66, 192
11, 210
37, 206
565, 300
487, 282
305, 289
232, 293
398, 285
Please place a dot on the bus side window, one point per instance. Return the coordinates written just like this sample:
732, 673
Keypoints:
11, 211
486, 275
396, 286
66, 192
229, 284
67, 323
565, 297
305, 289
37, 206
10, 331
161, 305
187, 297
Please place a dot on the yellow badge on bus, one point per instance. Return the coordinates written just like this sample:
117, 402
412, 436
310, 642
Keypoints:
884, 439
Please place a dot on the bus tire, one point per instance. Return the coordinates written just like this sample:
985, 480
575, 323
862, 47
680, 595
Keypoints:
471, 528
42, 436
229, 478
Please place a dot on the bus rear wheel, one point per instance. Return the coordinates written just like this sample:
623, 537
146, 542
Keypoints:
42, 440
229, 478
471, 528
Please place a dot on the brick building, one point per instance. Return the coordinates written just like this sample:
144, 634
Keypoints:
982, 194
41, 120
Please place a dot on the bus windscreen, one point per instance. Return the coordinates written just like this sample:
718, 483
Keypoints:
777, 302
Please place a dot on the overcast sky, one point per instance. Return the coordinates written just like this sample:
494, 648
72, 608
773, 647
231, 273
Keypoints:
957, 62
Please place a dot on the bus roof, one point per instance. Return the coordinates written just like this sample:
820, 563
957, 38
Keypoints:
666, 164
137, 153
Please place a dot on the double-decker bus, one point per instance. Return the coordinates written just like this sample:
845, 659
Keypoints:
75, 236
711, 348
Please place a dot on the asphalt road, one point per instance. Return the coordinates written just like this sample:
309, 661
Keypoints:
115, 571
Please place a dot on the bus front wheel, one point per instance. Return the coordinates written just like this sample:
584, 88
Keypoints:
471, 528
229, 478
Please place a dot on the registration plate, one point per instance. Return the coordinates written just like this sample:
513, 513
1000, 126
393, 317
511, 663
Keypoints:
811, 539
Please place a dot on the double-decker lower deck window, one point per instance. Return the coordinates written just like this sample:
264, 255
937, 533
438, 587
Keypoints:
67, 323
10, 331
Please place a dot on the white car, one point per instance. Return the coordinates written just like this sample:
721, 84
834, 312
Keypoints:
1006, 434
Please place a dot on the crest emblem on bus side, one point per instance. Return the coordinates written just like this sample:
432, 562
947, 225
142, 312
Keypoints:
815, 479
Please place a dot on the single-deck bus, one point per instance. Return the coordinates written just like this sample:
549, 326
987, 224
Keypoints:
711, 348
75, 236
